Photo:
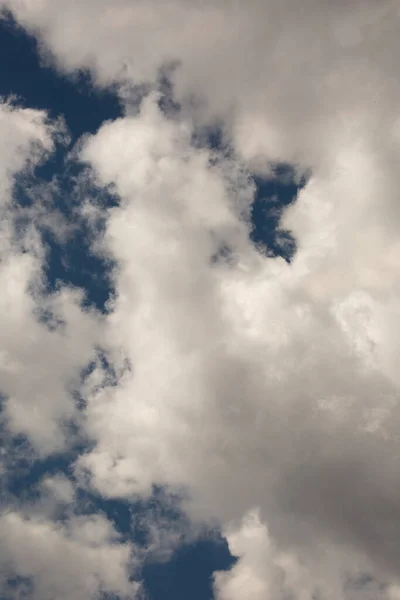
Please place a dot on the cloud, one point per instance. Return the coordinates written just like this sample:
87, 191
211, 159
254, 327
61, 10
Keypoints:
244, 381
253, 381
263, 571
79, 558
271, 387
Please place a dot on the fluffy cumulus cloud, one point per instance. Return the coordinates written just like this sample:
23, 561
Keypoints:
265, 391
45, 556
262, 571
78, 559
265, 571
252, 381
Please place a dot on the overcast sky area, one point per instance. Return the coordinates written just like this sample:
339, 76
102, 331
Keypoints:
199, 300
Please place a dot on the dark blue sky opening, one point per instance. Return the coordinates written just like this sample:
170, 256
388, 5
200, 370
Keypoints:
189, 573
23, 74
273, 196
84, 108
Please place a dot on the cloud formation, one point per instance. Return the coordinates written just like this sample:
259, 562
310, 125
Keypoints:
254, 382
77, 559
264, 390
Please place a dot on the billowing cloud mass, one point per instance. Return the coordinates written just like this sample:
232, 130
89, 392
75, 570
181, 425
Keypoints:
264, 391
73, 561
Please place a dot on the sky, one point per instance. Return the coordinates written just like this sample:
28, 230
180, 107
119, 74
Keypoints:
200, 300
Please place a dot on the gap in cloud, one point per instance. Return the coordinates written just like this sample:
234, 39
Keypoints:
167, 102
135, 519
18, 587
118, 512
51, 193
26, 470
212, 136
273, 195
55, 206
35, 85
189, 573
73, 263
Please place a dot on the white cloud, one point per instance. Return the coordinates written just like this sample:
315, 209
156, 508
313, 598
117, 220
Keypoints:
76, 559
25, 138
253, 382
263, 572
